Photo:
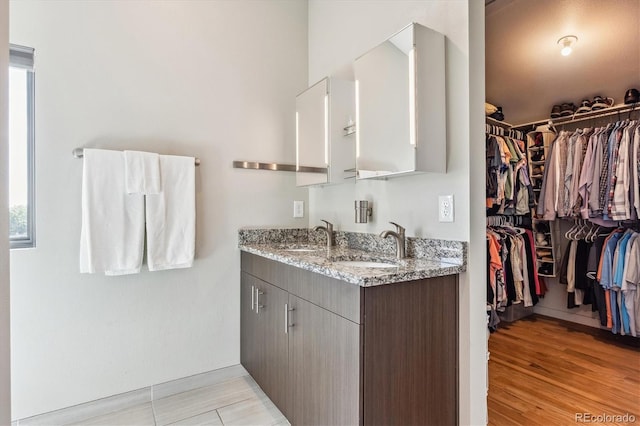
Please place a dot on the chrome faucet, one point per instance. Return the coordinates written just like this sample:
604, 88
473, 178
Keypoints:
329, 231
399, 236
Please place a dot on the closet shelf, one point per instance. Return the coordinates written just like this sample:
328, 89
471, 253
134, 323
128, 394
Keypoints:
617, 109
545, 254
498, 122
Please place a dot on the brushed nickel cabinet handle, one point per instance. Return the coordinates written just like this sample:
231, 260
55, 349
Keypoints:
286, 318
252, 297
258, 305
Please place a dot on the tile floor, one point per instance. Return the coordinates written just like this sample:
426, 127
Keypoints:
237, 401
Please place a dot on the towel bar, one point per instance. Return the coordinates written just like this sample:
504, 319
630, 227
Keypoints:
79, 153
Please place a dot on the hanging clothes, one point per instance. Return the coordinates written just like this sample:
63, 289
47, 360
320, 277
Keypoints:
512, 275
593, 174
508, 188
617, 274
574, 273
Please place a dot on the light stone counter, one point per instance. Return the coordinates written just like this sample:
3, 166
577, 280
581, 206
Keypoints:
306, 249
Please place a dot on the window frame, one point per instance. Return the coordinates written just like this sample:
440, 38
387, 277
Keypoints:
22, 57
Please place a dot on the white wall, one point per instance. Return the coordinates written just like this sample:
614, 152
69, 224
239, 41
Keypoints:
341, 30
215, 80
5, 367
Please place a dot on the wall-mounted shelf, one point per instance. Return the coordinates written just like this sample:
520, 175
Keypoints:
276, 167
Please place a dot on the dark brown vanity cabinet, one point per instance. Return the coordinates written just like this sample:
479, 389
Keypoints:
329, 352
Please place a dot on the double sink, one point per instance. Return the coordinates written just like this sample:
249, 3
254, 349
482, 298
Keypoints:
353, 263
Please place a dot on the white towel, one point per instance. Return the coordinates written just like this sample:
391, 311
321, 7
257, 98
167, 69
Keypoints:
171, 216
142, 172
112, 235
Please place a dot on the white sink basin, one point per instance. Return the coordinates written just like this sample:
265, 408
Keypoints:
364, 264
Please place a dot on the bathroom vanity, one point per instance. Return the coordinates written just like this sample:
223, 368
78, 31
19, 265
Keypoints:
335, 341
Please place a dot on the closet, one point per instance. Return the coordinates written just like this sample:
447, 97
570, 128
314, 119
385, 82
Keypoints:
582, 162
584, 218
529, 79
586, 182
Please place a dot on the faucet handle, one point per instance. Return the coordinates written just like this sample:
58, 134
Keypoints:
399, 229
329, 224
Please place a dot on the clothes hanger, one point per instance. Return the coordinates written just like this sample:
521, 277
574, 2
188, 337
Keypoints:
574, 230
568, 233
576, 235
591, 232
582, 231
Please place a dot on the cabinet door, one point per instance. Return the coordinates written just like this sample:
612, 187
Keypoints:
272, 354
411, 353
324, 355
248, 324
263, 341
312, 136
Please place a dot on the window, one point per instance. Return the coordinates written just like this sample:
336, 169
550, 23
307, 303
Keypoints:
21, 147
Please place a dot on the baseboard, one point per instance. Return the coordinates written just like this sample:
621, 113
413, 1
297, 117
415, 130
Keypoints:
602, 334
99, 407
201, 380
78, 413
574, 316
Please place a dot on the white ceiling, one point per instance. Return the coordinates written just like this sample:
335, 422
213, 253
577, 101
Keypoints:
525, 73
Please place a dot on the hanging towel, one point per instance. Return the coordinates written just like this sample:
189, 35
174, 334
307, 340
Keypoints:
171, 216
112, 234
142, 172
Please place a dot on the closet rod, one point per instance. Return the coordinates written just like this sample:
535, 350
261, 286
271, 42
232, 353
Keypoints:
79, 153
618, 109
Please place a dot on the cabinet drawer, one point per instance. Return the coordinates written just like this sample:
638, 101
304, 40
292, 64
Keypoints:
329, 293
337, 296
268, 270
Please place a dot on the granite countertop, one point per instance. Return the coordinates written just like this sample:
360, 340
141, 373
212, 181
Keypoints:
308, 252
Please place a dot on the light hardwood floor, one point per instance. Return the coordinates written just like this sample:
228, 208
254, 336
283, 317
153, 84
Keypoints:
544, 371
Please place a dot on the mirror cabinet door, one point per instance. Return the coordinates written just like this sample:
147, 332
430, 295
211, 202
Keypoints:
384, 85
401, 105
312, 133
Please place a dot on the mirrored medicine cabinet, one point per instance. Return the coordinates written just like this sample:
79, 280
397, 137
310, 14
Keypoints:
401, 105
322, 113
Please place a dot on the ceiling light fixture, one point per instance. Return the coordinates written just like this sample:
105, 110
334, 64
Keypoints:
567, 43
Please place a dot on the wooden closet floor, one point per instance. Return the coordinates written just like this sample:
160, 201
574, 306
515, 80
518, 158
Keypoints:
544, 371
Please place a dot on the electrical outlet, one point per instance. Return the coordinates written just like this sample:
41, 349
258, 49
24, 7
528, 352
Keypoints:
298, 209
445, 208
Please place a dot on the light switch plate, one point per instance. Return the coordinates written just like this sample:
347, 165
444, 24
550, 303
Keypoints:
445, 208
298, 209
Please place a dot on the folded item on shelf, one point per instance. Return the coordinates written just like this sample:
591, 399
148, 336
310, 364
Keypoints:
489, 108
